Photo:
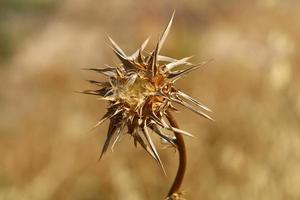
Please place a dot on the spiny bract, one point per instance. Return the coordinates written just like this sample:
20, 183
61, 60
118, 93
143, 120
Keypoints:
139, 90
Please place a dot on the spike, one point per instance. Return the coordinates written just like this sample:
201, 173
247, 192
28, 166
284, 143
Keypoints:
181, 131
140, 58
166, 126
113, 128
116, 47
115, 140
106, 91
176, 63
99, 83
191, 108
127, 64
143, 46
165, 33
156, 129
131, 79
153, 149
153, 60
108, 71
193, 100
168, 59
156, 119
145, 146
118, 137
108, 115
174, 76
108, 98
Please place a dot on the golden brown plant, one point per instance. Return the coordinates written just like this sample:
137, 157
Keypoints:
141, 92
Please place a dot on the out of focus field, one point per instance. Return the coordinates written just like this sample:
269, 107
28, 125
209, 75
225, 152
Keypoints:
252, 151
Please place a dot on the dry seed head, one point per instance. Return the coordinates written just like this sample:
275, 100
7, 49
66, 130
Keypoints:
139, 90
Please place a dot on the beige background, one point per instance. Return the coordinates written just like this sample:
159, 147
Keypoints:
252, 151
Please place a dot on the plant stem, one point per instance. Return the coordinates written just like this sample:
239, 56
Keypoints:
182, 156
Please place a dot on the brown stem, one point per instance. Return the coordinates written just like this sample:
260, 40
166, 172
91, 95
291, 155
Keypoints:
182, 156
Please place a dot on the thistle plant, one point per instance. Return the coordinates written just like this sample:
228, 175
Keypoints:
141, 96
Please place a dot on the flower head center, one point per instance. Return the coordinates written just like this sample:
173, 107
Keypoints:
135, 93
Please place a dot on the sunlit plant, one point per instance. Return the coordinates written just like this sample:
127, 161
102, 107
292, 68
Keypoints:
141, 96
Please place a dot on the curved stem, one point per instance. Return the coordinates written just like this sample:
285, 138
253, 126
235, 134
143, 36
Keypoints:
182, 156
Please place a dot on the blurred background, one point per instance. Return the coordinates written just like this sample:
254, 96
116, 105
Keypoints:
250, 152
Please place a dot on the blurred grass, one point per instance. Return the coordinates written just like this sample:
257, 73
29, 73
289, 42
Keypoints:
27, 5
12, 12
6, 45
250, 152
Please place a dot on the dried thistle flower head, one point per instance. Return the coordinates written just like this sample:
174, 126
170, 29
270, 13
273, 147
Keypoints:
139, 90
